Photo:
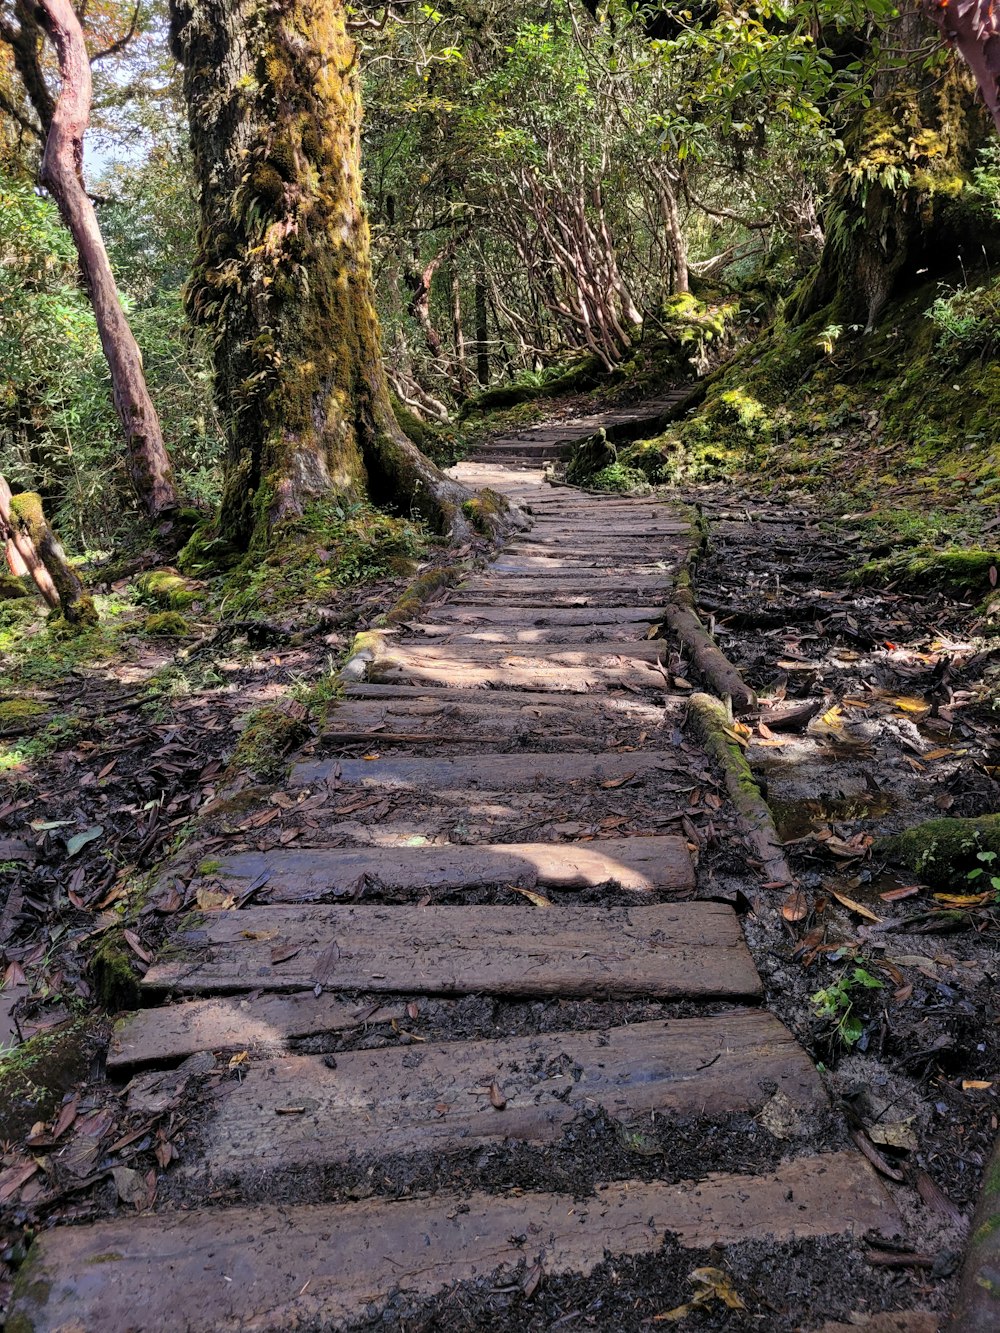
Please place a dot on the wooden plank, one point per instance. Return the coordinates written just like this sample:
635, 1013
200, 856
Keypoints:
668, 951
272, 1268
390, 1101
255, 1023
453, 609
514, 636
484, 772
643, 865
544, 654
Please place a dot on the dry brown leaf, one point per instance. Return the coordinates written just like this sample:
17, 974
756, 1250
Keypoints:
853, 906
497, 1099
795, 907
539, 899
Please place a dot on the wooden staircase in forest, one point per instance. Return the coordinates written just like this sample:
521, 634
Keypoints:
479, 996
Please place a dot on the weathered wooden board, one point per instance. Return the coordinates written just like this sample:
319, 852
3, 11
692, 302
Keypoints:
255, 1023
643, 865
437, 1098
485, 772
611, 655
269, 1269
514, 636
670, 950
453, 609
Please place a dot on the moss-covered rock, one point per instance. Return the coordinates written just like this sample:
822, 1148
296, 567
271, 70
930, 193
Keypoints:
944, 850
12, 589
269, 735
168, 589
486, 511
166, 624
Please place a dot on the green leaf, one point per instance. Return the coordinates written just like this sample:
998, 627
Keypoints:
80, 840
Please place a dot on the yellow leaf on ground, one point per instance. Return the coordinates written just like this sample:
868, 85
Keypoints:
853, 906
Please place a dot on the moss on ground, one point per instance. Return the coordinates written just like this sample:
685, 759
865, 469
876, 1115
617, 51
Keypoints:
269, 735
166, 624
944, 850
168, 589
115, 982
36, 1075
17, 712
963, 571
13, 589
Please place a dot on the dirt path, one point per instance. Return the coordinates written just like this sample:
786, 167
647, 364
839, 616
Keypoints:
461, 1037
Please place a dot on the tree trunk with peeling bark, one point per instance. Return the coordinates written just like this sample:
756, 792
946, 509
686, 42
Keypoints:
24, 523
62, 172
283, 277
22, 558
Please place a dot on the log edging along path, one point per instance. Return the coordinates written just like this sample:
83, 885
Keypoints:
515, 702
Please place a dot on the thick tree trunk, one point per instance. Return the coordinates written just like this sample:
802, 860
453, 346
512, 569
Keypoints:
891, 216
149, 465
22, 558
283, 277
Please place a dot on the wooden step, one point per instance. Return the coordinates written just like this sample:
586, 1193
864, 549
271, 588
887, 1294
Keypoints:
671, 950
484, 772
272, 1268
256, 1023
571, 656
437, 1097
302, 874
511, 636
454, 609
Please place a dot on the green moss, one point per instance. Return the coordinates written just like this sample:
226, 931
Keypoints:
15, 712
35, 1075
944, 850
115, 982
420, 591
166, 624
168, 589
209, 867
269, 734
12, 589
965, 571
485, 510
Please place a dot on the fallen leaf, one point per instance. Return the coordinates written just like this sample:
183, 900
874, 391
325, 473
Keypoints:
131, 1186
14, 1177
894, 895
132, 940
936, 754
795, 907
236, 1061
209, 900
539, 899
259, 934
284, 952
899, 1135
617, 782
497, 1098
80, 840
970, 1083
853, 906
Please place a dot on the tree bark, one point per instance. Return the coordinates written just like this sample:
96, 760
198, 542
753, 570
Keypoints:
21, 554
482, 332
891, 214
283, 276
62, 163
31, 532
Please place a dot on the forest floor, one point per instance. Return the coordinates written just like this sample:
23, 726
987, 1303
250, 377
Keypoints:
124, 769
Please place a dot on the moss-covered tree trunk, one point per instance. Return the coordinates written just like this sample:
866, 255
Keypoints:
282, 278
893, 212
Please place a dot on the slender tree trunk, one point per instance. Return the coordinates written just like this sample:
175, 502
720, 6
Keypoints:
458, 335
35, 541
149, 465
283, 276
482, 332
21, 554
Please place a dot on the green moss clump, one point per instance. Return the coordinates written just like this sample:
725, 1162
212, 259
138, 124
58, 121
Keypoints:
485, 510
552, 382
420, 591
269, 734
944, 850
205, 552
432, 438
12, 589
115, 983
15, 712
966, 571
166, 624
168, 589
